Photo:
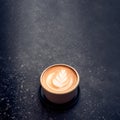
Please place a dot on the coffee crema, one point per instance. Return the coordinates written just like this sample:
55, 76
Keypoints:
59, 79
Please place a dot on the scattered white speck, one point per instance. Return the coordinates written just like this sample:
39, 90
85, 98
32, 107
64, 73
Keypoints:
18, 107
22, 66
50, 57
2, 99
24, 97
6, 108
9, 58
32, 96
8, 100
104, 70
29, 112
103, 117
13, 117
4, 113
27, 89
21, 91
21, 86
90, 71
8, 104
23, 81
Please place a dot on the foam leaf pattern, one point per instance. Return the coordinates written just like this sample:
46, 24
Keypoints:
60, 81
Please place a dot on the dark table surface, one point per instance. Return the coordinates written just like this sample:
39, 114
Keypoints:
82, 33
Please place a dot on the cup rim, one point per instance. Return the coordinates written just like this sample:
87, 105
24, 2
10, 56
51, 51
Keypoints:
74, 87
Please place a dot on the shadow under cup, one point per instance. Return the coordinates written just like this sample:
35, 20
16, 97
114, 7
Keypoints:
59, 84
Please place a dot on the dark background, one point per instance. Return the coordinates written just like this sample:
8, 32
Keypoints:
82, 33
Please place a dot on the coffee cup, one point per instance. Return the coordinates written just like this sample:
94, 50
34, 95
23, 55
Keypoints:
59, 83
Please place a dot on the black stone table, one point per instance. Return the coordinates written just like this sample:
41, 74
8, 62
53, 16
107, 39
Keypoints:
82, 33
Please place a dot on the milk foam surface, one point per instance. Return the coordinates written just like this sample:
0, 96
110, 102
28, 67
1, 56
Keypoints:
59, 79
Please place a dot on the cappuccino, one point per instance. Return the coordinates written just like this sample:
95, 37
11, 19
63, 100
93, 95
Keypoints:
59, 79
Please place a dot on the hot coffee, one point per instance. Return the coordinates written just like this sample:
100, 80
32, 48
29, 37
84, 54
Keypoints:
59, 79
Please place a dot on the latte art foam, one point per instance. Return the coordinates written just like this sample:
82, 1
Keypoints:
59, 79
